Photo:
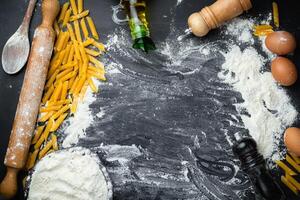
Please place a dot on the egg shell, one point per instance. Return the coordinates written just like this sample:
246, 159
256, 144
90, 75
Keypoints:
292, 140
284, 71
281, 42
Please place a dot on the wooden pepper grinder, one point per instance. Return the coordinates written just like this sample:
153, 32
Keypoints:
30, 98
213, 16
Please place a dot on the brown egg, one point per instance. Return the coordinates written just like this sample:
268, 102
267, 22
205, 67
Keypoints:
292, 140
284, 71
281, 42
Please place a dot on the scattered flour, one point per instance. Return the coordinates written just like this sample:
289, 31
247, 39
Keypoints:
82, 119
241, 29
268, 106
179, 2
69, 174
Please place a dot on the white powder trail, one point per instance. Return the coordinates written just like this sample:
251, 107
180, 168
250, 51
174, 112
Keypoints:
268, 106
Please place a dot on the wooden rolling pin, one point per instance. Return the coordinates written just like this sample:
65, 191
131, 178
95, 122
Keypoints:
213, 16
30, 98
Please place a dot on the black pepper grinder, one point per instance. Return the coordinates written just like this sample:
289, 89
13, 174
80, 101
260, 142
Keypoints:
253, 163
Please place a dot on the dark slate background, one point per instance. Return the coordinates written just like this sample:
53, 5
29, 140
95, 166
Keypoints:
154, 114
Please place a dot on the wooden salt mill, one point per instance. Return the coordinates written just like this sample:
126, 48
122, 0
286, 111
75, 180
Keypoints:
30, 98
213, 16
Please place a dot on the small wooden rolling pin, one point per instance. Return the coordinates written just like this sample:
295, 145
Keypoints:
30, 98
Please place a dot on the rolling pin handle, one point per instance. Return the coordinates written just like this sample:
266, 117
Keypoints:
8, 187
50, 9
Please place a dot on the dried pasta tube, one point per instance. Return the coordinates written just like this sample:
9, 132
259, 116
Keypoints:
92, 28
77, 52
44, 136
71, 54
84, 28
48, 94
275, 14
88, 42
92, 52
92, 85
54, 142
59, 38
66, 56
80, 6
96, 62
73, 86
74, 7
32, 159
95, 69
99, 76
67, 17
63, 12
44, 118
99, 45
66, 40
37, 134
52, 79
49, 108
80, 84
77, 31
83, 54
62, 74
64, 90
57, 92
58, 122
60, 112
79, 16
71, 32
46, 148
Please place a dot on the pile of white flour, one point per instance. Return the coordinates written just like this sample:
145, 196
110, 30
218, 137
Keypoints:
68, 174
268, 107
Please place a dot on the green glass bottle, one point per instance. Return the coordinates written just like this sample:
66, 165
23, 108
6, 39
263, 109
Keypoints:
136, 11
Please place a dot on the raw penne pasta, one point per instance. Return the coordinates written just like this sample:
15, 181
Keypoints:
68, 76
63, 73
56, 28
60, 112
71, 32
67, 17
64, 90
57, 63
88, 42
77, 52
54, 142
68, 65
74, 7
97, 70
77, 31
99, 45
55, 57
286, 169
52, 79
58, 122
92, 85
79, 16
80, 84
59, 39
48, 94
74, 104
71, 81
50, 151
84, 57
32, 159
275, 14
80, 6
92, 27
66, 56
92, 52
84, 28
65, 41
293, 181
73, 86
56, 92
96, 62
289, 185
45, 149
83, 90
99, 76
49, 108
293, 163
71, 55
37, 134
59, 103
45, 117
45, 135
63, 12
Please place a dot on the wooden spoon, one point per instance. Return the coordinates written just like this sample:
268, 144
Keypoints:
16, 49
